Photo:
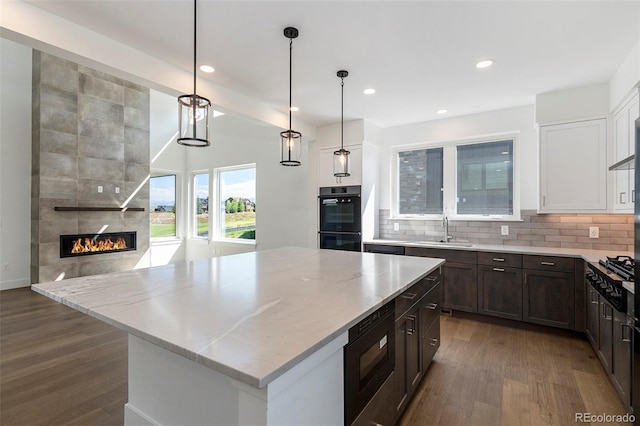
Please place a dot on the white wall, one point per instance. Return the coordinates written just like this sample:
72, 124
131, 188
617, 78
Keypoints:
577, 103
15, 164
281, 192
518, 120
626, 76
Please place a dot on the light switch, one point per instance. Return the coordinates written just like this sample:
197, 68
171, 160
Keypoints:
396, 226
117, 189
504, 230
100, 188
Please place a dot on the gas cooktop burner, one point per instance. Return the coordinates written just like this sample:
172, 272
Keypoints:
621, 265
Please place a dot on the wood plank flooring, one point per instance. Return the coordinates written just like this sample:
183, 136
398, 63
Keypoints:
494, 372
58, 366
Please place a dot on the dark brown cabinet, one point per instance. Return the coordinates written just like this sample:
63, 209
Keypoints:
605, 333
593, 318
500, 285
417, 337
621, 356
549, 291
459, 276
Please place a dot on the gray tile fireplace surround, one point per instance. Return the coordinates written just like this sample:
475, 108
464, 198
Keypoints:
539, 230
89, 129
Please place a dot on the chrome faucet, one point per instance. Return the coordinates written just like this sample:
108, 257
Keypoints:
445, 225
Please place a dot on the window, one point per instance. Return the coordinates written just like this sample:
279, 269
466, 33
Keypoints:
457, 179
236, 197
485, 178
420, 181
162, 203
201, 204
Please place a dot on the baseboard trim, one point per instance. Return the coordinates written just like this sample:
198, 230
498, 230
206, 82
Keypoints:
9, 285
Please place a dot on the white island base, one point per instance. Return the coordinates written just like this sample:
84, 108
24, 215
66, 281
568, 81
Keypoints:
169, 389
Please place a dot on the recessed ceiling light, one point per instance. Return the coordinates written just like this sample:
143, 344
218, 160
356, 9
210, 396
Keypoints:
485, 63
441, 111
369, 91
295, 108
207, 68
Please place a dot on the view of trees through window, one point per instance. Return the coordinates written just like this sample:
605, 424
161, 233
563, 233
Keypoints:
237, 200
162, 203
201, 196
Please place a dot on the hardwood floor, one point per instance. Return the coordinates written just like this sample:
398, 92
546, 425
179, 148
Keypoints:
488, 372
58, 366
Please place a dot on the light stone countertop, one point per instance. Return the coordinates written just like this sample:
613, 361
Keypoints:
251, 316
586, 254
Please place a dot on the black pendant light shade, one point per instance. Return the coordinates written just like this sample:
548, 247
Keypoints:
341, 156
291, 141
193, 110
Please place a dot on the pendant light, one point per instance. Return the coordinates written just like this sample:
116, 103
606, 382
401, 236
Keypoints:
193, 110
341, 156
291, 141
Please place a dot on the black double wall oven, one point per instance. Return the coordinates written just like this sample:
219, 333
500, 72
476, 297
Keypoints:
340, 218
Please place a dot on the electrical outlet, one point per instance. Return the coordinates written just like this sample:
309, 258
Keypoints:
504, 230
594, 232
100, 188
396, 226
117, 189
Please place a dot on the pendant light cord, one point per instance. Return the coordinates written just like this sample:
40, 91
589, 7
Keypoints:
342, 114
194, 44
290, 72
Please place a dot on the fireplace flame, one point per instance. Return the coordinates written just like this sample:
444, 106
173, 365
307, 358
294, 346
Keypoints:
93, 245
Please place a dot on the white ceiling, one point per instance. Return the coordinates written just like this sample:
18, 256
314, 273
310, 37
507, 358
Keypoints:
418, 55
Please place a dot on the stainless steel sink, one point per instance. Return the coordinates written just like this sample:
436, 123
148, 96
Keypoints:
443, 244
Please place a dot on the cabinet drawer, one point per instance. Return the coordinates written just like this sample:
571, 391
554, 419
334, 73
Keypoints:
548, 263
510, 260
384, 249
431, 306
410, 297
430, 344
458, 256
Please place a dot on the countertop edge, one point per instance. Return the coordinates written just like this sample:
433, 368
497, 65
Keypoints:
251, 380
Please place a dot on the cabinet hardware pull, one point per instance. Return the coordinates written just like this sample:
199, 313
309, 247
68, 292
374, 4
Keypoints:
433, 342
498, 269
625, 339
409, 296
498, 259
432, 278
412, 329
604, 312
621, 200
544, 200
592, 293
633, 195
548, 263
432, 306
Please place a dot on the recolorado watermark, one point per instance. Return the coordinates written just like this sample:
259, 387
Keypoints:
603, 418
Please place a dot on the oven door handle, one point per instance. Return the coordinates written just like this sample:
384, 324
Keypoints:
340, 233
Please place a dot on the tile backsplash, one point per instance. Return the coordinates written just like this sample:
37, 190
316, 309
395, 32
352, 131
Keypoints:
541, 230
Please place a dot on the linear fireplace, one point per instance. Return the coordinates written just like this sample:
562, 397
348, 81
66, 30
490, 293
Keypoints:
84, 244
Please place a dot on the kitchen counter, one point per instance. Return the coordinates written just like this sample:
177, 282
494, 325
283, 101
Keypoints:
259, 320
587, 255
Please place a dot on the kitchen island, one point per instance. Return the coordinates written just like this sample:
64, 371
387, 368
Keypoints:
254, 338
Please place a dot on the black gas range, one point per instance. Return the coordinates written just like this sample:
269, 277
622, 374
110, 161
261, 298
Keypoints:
608, 276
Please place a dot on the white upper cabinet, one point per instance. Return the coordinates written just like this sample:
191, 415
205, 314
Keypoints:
325, 169
573, 167
624, 146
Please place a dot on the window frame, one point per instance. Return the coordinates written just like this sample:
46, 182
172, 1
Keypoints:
178, 203
193, 222
450, 173
215, 218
